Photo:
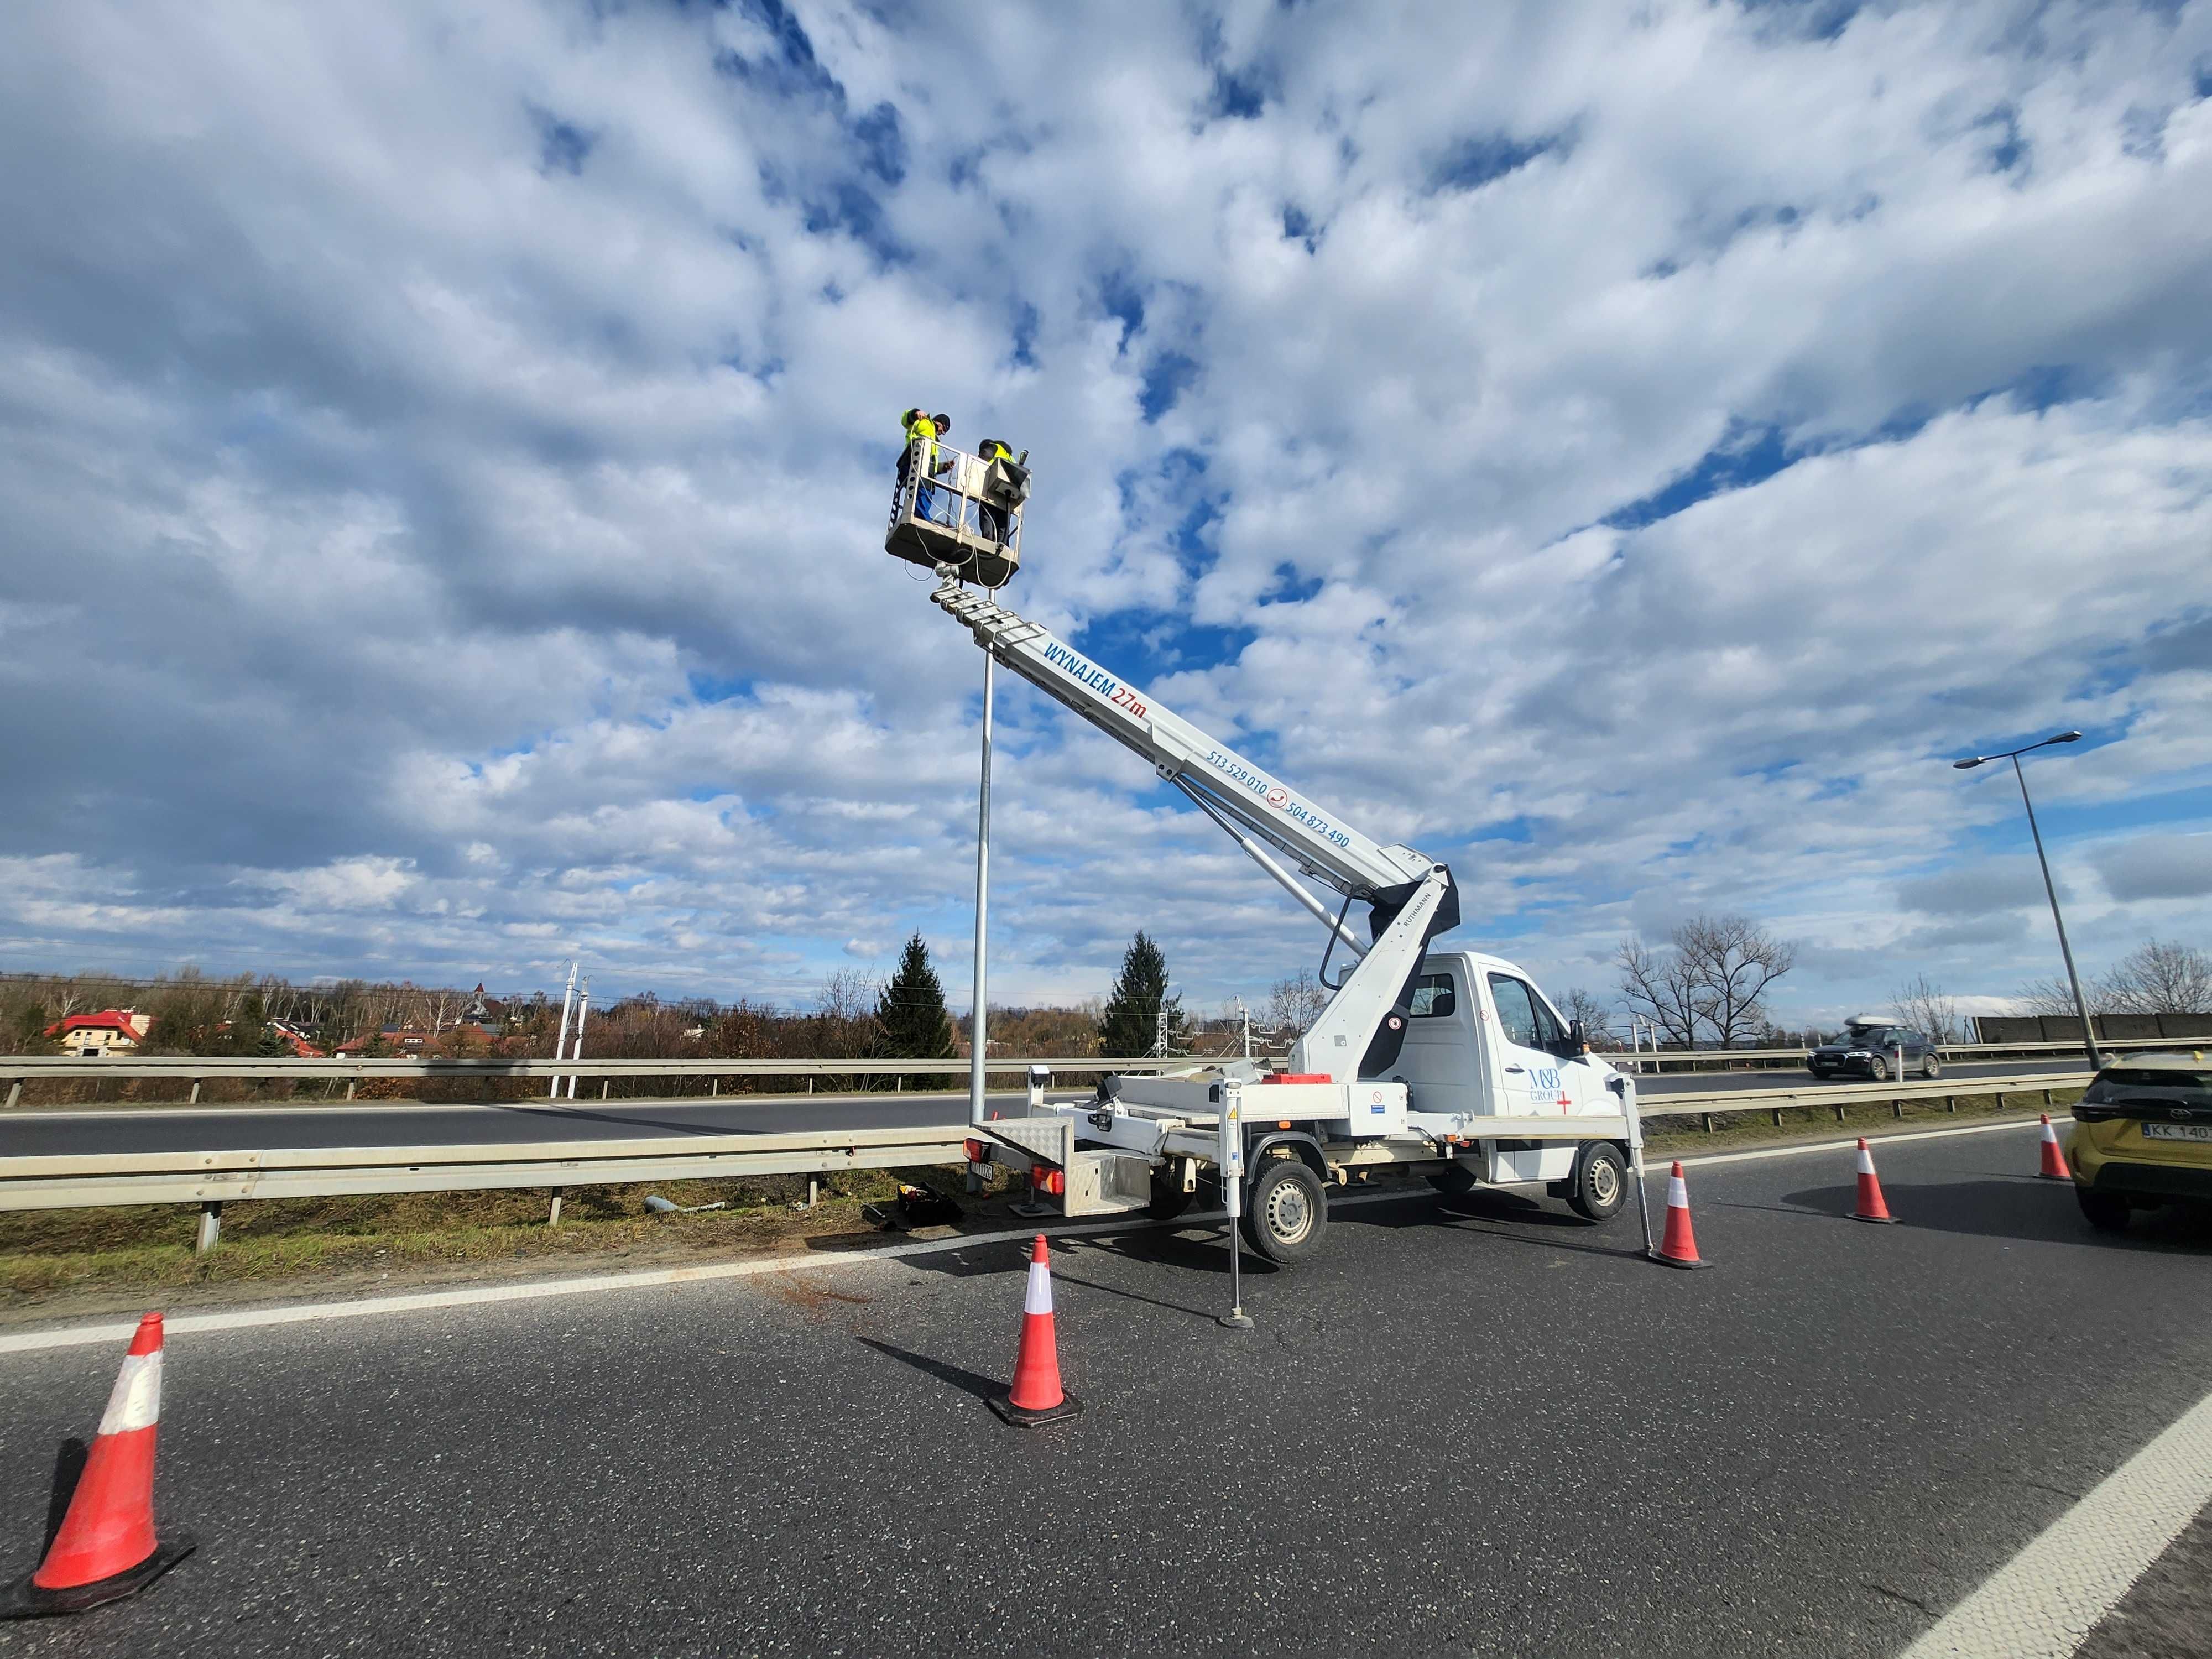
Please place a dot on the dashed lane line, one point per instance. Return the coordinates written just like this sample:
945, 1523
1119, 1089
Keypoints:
2044, 1602
704, 1273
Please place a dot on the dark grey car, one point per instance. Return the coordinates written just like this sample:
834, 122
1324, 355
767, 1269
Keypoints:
1871, 1051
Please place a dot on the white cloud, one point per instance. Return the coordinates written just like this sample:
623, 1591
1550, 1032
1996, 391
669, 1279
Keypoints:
442, 463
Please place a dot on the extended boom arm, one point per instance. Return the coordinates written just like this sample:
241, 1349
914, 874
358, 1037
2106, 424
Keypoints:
1365, 1018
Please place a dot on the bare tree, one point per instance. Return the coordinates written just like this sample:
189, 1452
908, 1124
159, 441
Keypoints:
2054, 998
1925, 1008
1734, 960
1296, 1002
845, 1009
2157, 978
1596, 1016
1662, 986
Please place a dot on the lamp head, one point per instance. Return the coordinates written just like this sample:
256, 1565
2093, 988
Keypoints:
1967, 765
2065, 736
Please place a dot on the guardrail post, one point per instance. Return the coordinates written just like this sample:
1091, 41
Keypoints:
349, 1088
1897, 1109
15, 1089
1778, 1117
606, 1083
553, 1215
195, 1099
211, 1227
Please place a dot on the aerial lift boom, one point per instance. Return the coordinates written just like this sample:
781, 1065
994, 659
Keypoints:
1411, 897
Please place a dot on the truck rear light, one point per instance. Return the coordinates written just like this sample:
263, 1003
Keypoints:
1049, 1181
976, 1152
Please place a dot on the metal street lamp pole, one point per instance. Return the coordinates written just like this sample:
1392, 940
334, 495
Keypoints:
2065, 950
977, 1042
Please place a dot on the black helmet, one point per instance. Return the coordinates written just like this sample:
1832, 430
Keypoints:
990, 449
944, 422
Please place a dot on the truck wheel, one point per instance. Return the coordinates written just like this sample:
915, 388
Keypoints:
1285, 1211
1169, 1199
1598, 1186
2107, 1212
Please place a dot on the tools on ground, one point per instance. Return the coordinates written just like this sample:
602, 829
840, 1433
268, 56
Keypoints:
1038, 1397
1871, 1207
917, 1207
2054, 1159
106, 1547
1678, 1246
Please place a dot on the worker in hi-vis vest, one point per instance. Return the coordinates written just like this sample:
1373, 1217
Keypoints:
919, 424
997, 494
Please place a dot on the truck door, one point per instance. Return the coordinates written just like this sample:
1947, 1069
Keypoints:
1534, 1079
1533, 1084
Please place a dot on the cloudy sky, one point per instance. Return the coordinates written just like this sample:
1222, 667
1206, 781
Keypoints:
1625, 451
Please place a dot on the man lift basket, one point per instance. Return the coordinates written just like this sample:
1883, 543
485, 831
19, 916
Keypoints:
941, 521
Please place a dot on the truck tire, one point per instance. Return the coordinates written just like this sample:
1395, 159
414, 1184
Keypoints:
1598, 1186
1285, 1211
1169, 1199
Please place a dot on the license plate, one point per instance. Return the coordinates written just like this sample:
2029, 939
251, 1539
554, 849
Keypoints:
2177, 1131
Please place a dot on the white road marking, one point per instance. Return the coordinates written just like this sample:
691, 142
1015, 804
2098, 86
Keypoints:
471, 1296
2041, 1604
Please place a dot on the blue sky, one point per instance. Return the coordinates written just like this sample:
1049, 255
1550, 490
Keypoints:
1625, 451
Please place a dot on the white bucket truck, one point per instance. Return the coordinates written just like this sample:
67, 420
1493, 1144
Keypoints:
1450, 1064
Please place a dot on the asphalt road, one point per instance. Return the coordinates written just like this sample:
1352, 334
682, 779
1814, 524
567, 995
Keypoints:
180, 1129
1481, 1429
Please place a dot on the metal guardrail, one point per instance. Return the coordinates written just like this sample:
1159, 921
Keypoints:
18, 1069
1724, 1059
82, 1180
1840, 1094
213, 1178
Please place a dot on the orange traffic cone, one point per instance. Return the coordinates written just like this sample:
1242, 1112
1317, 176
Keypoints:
2054, 1161
1871, 1207
107, 1549
1037, 1397
1678, 1249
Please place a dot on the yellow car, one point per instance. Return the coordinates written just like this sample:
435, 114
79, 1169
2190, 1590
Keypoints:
2143, 1137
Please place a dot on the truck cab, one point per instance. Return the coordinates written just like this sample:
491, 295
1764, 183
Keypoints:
1484, 1041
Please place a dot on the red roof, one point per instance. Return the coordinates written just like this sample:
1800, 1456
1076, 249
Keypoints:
111, 1020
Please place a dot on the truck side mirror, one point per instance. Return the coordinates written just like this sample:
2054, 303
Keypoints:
1577, 1037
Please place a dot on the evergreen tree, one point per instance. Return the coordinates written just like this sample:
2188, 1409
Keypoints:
1130, 1026
910, 1013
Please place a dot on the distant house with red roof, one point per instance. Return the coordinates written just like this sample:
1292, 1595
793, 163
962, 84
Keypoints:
296, 1040
109, 1031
